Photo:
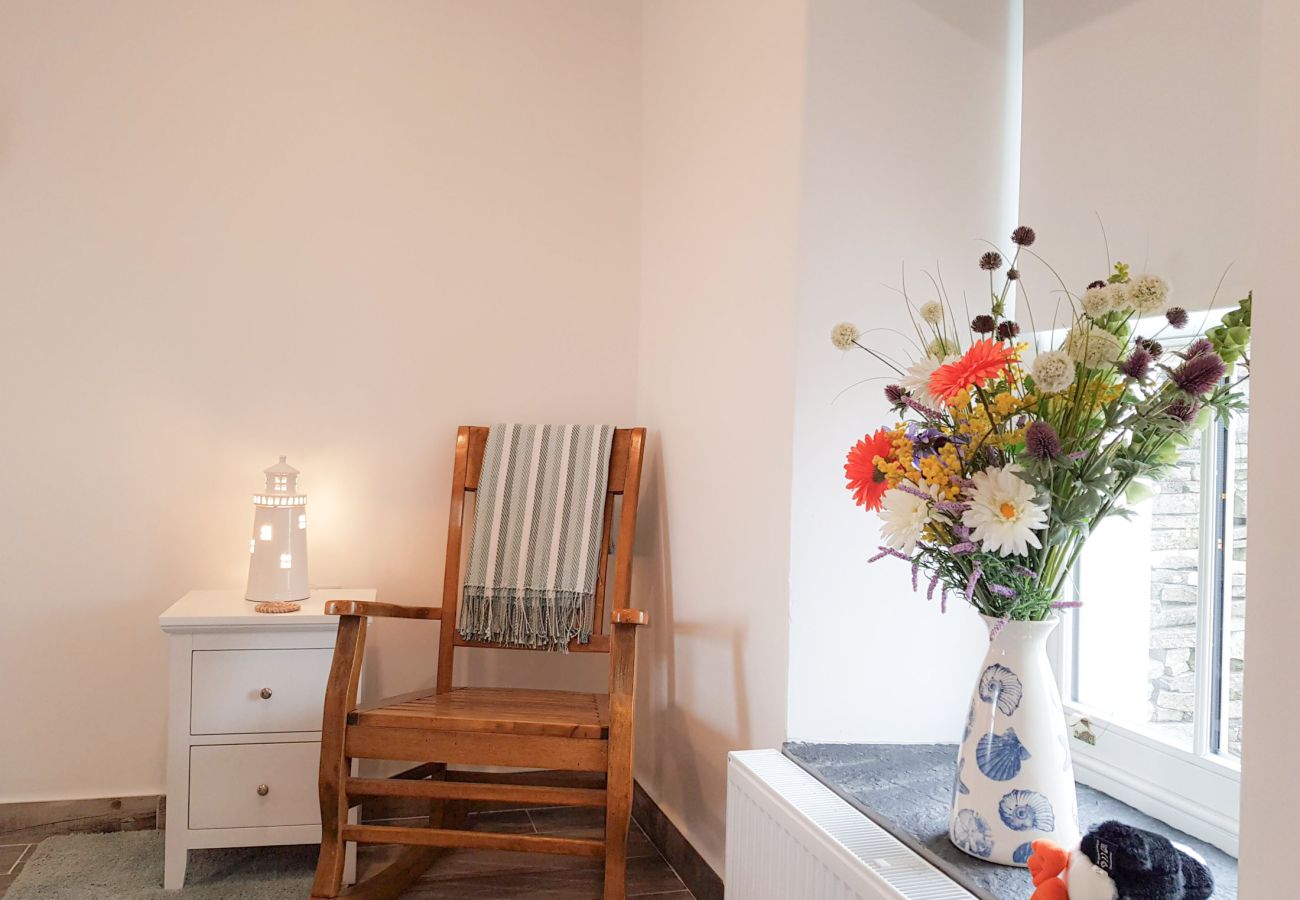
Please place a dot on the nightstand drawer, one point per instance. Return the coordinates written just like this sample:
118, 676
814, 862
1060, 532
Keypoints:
257, 691
245, 785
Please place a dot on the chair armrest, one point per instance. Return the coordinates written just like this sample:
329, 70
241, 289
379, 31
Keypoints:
630, 617
384, 610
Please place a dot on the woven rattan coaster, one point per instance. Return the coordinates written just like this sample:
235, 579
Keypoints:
277, 606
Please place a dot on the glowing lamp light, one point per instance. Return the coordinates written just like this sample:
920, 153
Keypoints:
277, 569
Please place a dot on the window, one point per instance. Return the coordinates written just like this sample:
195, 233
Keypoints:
1153, 661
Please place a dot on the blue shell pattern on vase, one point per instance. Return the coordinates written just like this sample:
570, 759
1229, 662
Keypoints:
1022, 853
1001, 686
1027, 810
971, 833
999, 756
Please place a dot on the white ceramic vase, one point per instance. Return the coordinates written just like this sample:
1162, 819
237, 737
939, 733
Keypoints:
1015, 781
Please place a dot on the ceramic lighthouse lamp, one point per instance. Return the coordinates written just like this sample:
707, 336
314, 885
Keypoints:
277, 568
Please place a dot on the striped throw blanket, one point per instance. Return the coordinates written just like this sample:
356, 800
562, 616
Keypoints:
535, 551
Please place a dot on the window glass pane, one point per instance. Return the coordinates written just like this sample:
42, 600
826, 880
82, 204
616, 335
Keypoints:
1235, 587
1136, 636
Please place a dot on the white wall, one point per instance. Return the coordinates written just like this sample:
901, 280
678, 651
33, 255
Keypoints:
906, 142
723, 93
1270, 790
436, 203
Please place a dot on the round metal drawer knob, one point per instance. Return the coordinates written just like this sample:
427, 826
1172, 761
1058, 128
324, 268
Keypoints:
266, 693
263, 790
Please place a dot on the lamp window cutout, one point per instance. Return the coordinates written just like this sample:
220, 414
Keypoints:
277, 568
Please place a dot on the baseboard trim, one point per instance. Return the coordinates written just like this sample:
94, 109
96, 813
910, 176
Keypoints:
691, 867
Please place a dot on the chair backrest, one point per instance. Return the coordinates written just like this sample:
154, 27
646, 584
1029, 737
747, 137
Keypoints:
625, 457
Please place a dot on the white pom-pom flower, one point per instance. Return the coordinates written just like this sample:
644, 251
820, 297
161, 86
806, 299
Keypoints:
903, 517
1003, 515
845, 335
1148, 294
1053, 371
1097, 301
1121, 298
932, 312
1094, 347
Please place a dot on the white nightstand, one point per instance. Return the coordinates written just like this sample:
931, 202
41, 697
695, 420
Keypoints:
243, 731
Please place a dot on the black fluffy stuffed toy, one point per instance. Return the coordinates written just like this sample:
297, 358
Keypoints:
1115, 861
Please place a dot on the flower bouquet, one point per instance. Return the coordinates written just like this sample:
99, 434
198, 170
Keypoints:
1007, 453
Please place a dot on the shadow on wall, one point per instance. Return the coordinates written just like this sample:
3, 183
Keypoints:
679, 755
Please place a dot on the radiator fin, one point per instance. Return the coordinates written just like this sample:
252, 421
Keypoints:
789, 836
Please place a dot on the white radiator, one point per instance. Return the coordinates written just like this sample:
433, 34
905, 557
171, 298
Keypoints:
791, 838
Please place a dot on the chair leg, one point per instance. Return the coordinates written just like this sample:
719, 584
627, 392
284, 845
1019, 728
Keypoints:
618, 815
334, 814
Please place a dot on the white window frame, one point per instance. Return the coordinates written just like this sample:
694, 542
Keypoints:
1197, 791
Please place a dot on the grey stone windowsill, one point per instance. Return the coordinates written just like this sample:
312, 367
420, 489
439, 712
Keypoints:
906, 789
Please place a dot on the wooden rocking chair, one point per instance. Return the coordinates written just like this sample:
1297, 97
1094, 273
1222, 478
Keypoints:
534, 729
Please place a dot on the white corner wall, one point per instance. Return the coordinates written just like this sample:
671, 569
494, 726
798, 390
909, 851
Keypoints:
909, 124
229, 231
722, 107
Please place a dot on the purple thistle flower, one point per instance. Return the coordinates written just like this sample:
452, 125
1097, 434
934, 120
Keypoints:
1198, 347
1041, 441
1183, 412
1096, 284
997, 627
963, 548
1013, 275
1008, 330
983, 324
1023, 236
1067, 604
895, 394
1000, 589
991, 261
1138, 364
1200, 373
975, 575
1155, 348
1176, 316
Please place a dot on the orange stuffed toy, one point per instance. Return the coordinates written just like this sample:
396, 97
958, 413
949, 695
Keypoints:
1046, 865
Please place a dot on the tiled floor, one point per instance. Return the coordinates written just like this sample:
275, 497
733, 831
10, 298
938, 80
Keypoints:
478, 874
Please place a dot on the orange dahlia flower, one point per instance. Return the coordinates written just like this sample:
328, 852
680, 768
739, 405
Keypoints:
984, 360
865, 480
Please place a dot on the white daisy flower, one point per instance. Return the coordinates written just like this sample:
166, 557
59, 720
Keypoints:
932, 312
1149, 294
1003, 516
845, 335
917, 379
1094, 347
903, 518
1053, 371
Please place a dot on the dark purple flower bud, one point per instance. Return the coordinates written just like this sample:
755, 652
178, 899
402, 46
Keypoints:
1199, 374
1183, 412
1007, 330
1023, 236
991, 261
895, 394
1198, 347
1153, 347
1138, 364
1176, 316
1013, 274
1041, 441
1096, 284
983, 324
